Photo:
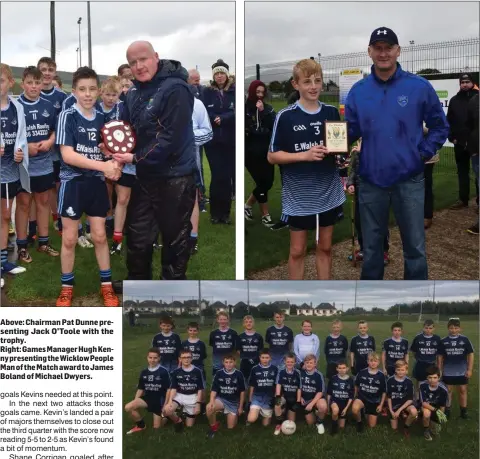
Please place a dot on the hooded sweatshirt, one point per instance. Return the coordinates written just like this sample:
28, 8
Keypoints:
160, 111
258, 124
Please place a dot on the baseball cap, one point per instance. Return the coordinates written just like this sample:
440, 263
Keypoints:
465, 76
383, 34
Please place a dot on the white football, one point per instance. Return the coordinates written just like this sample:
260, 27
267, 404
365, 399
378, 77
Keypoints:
288, 427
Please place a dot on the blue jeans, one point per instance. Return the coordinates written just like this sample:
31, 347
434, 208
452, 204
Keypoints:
407, 199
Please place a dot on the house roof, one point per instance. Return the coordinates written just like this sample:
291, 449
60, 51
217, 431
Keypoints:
218, 305
325, 306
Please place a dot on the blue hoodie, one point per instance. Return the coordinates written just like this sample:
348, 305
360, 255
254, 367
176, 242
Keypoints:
160, 111
389, 117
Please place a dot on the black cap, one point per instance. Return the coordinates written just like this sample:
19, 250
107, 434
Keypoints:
465, 76
220, 63
383, 34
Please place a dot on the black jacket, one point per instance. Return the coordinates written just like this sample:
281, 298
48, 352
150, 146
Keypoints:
160, 111
457, 116
473, 125
258, 128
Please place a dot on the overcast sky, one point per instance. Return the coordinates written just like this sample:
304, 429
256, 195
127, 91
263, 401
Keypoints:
195, 33
294, 30
369, 294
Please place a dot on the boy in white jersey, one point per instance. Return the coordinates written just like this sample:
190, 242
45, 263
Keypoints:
312, 192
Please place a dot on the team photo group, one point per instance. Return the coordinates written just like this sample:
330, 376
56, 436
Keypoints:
395, 128
288, 377
142, 177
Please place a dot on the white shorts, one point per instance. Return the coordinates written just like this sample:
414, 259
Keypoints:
187, 402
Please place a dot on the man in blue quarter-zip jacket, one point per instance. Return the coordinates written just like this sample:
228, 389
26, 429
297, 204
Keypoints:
387, 109
159, 106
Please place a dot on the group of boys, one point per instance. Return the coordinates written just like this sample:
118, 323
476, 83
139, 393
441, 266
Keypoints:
277, 382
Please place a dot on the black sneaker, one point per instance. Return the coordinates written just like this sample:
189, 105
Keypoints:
428, 435
214, 221
225, 221
116, 248
279, 226
193, 245
464, 415
248, 213
157, 246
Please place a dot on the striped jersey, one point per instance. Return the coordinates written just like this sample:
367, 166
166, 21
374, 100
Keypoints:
307, 187
40, 118
82, 134
56, 96
9, 124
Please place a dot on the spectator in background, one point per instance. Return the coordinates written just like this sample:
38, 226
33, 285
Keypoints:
194, 80
57, 82
219, 100
458, 135
472, 144
125, 74
259, 119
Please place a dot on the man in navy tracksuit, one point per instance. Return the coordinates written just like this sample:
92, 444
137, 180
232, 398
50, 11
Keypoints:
387, 109
159, 107
219, 99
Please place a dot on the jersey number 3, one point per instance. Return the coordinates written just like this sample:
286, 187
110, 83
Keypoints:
317, 130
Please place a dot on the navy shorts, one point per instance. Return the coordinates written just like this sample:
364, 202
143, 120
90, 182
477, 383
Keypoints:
13, 189
420, 370
83, 195
56, 171
370, 408
127, 180
309, 222
455, 380
154, 404
341, 406
41, 183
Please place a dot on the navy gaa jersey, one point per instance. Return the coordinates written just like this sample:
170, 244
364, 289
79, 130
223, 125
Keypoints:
455, 350
40, 119
229, 386
263, 379
425, 348
279, 341
290, 383
335, 348
168, 345
312, 384
341, 390
56, 97
223, 343
9, 124
198, 350
249, 345
371, 386
307, 187
399, 391
187, 382
155, 381
361, 347
114, 114
83, 135
395, 350
437, 397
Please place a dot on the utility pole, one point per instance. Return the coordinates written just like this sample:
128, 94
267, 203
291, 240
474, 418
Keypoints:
202, 318
79, 22
52, 31
89, 27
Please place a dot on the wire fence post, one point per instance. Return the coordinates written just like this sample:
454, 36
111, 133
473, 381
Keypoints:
257, 71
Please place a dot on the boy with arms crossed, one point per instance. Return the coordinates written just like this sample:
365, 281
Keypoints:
186, 392
83, 190
360, 346
249, 345
400, 398
455, 361
262, 389
394, 349
313, 390
279, 337
335, 348
340, 393
40, 118
223, 341
152, 391
370, 393
312, 193
227, 395
168, 343
14, 161
288, 392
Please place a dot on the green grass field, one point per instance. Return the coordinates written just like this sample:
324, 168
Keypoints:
458, 440
41, 282
265, 248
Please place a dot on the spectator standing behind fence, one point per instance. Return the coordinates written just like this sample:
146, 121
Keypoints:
387, 109
219, 100
259, 119
458, 135
472, 143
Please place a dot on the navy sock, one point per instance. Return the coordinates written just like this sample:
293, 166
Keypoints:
141, 424
4, 256
68, 279
32, 228
42, 240
22, 243
87, 227
80, 230
106, 276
